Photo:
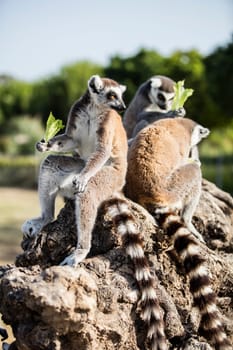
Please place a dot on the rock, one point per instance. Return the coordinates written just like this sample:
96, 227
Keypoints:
95, 306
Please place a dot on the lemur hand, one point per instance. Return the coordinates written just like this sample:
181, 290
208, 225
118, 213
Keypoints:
180, 112
79, 182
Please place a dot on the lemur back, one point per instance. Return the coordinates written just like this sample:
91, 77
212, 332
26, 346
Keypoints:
162, 178
156, 153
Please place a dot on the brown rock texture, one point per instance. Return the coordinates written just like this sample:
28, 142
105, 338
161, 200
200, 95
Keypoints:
94, 306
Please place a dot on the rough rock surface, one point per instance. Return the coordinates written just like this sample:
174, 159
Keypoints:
95, 305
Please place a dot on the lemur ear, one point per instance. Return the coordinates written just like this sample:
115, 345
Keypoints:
123, 88
204, 131
156, 82
95, 84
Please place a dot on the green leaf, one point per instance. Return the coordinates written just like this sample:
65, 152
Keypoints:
53, 126
181, 95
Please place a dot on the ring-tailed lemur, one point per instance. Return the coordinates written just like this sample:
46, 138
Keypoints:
95, 131
152, 101
162, 178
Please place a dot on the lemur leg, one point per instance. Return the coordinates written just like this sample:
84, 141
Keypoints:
192, 191
55, 171
187, 191
99, 188
192, 173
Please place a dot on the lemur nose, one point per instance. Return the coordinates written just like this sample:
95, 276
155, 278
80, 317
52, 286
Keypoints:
123, 106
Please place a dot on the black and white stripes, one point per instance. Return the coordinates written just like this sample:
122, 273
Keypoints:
189, 252
151, 312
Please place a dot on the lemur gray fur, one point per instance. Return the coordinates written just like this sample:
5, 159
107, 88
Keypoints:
152, 101
163, 179
95, 131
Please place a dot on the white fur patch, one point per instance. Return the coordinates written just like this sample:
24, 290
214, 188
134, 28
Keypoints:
135, 251
221, 337
199, 271
154, 329
169, 95
98, 83
215, 323
131, 227
193, 249
211, 308
181, 233
123, 207
113, 211
150, 311
156, 82
205, 290
199, 132
142, 274
123, 88
148, 294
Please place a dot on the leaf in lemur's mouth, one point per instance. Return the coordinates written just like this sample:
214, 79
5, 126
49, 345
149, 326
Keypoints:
181, 95
53, 126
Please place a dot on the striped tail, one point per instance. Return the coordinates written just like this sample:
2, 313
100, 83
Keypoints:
151, 313
194, 263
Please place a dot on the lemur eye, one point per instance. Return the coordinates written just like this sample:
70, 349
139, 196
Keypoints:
111, 96
161, 97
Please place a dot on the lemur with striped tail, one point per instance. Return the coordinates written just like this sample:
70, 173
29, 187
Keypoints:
164, 179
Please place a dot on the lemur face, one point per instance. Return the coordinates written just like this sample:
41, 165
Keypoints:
161, 93
107, 92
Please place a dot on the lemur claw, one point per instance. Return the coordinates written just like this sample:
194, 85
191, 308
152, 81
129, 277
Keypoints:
79, 182
31, 228
75, 258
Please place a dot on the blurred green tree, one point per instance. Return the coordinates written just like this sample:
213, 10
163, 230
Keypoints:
14, 98
76, 76
134, 70
58, 93
219, 74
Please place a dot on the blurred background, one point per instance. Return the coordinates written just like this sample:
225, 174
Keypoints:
50, 48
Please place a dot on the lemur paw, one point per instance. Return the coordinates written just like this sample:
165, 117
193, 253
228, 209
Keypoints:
180, 112
79, 183
32, 227
75, 258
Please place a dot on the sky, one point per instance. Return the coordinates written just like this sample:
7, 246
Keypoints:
38, 37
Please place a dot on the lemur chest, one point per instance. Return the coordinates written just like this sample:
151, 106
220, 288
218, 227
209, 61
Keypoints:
86, 134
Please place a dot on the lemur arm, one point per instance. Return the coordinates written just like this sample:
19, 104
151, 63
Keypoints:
99, 157
145, 118
59, 143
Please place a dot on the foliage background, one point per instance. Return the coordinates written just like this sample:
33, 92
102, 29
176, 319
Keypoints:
24, 106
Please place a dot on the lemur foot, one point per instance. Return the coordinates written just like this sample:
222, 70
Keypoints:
32, 227
195, 233
75, 258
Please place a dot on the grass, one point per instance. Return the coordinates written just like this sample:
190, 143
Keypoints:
16, 206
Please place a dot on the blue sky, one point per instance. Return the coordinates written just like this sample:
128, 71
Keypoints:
37, 37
